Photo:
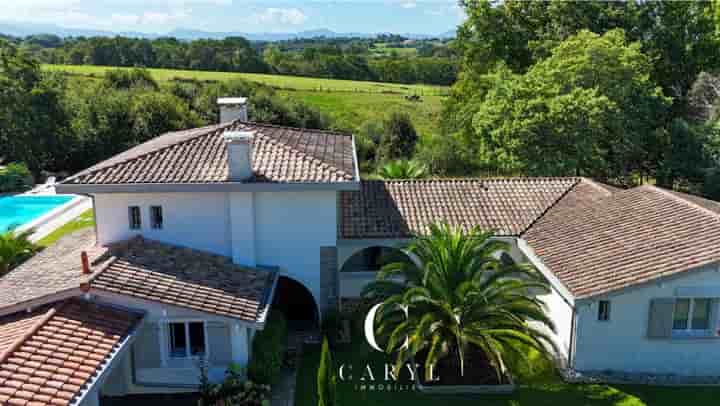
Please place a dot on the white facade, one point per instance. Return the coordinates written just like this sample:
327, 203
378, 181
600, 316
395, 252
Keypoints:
622, 342
275, 229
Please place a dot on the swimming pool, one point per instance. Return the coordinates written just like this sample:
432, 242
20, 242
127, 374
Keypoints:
16, 211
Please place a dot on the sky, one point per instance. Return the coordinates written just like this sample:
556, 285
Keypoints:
161, 16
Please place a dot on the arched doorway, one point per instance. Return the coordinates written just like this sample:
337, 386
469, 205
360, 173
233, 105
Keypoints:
372, 259
296, 303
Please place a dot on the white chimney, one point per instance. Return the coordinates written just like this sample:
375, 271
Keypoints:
232, 108
239, 150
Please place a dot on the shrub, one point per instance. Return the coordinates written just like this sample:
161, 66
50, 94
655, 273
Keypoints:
234, 390
268, 347
326, 378
15, 178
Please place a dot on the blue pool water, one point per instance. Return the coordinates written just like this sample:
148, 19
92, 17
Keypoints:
18, 210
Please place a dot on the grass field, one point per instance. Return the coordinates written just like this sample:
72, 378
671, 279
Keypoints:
349, 103
277, 81
86, 219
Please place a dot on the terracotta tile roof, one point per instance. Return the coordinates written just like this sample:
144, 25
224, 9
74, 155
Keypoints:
597, 243
280, 154
393, 209
187, 278
52, 271
57, 351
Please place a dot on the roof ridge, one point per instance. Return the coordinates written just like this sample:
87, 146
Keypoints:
216, 127
25, 336
316, 130
680, 199
478, 179
596, 185
553, 204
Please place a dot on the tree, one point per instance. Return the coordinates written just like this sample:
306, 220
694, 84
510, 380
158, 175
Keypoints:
399, 137
402, 169
326, 378
460, 297
589, 109
14, 249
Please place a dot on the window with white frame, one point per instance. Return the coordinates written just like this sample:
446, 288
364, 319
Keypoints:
692, 316
187, 339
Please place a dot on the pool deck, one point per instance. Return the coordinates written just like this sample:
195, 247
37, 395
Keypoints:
56, 218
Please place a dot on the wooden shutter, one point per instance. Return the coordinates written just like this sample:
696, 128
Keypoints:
660, 321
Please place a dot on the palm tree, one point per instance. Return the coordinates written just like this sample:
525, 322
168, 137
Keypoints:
402, 169
460, 296
14, 248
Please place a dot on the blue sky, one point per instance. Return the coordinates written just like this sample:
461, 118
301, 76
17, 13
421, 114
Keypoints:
153, 16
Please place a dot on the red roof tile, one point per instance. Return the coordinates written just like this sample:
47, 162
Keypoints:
186, 278
596, 243
280, 154
36, 368
393, 209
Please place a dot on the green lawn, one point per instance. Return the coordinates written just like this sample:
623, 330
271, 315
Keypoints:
83, 221
349, 110
546, 392
276, 81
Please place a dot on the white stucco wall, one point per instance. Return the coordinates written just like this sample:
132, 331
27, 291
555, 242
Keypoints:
621, 343
227, 341
290, 229
195, 220
283, 229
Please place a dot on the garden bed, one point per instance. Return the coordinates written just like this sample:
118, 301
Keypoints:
479, 376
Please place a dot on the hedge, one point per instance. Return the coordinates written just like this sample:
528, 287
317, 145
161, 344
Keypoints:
15, 178
268, 347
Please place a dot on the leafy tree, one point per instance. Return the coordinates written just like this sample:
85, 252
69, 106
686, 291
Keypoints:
399, 137
588, 109
326, 378
459, 298
14, 249
128, 79
402, 169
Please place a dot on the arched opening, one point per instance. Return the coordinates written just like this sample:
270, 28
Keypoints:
372, 259
296, 303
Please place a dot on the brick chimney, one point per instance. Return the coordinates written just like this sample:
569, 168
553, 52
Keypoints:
239, 150
232, 108
85, 263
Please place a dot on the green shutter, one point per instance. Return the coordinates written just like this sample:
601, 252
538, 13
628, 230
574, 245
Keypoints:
660, 321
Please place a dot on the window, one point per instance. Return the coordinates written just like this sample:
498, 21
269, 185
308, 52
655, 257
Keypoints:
156, 217
134, 217
692, 315
604, 310
187, 339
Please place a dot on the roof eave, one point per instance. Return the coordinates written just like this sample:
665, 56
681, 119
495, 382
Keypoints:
65, 188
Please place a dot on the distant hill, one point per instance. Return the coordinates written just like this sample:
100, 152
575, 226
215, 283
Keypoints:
25, 29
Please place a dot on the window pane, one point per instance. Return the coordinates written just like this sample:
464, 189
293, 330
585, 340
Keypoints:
197, 339
701, 314
680, 315
156, 216
604, 310
178, 341
134, 214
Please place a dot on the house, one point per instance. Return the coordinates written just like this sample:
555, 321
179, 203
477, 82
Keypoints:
200, 232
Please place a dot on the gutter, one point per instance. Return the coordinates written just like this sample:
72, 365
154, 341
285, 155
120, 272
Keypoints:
84, 189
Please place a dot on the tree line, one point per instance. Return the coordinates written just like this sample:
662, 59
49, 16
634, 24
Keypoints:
58, 124
351, 59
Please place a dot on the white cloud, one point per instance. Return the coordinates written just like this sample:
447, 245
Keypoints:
409, 5
276, 16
